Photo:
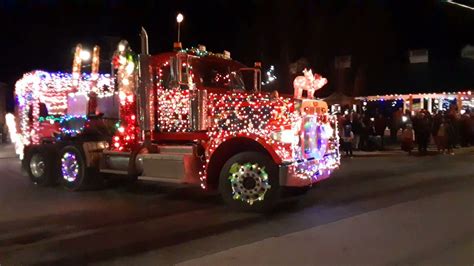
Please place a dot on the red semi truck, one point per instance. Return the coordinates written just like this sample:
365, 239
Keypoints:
188, 116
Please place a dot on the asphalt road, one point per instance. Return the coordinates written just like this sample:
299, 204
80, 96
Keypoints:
381, 209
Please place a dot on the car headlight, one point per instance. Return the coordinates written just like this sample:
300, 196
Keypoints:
286, 136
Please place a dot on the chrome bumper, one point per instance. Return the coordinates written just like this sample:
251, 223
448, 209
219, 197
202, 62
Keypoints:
307, 172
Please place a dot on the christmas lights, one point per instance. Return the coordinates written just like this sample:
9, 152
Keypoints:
305, 140
270, 76
259, 117
15, 138
309, 83
127, 130
240, 174
203, 52
52, 90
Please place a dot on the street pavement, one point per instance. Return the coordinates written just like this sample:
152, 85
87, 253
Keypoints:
383, 208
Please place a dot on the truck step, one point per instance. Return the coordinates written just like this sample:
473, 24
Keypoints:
114, 162
181, 149
174, 164
161, 179
171, 167
112, 171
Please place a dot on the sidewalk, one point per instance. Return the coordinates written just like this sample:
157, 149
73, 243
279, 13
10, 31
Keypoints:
396, 150
7, 151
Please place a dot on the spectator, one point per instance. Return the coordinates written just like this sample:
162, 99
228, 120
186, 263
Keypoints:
407, 139
396, 124
441, 138
464, 131
364, 135
437, 120
357, 130
347, 138
422, 127
379, 126
451, 136
471, 129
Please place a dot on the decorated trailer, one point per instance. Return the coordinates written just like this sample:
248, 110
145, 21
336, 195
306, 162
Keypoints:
188, 116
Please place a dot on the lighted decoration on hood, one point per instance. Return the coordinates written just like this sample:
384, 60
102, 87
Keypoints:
309, 83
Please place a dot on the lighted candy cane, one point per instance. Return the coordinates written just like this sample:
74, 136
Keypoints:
95, 65
76, 67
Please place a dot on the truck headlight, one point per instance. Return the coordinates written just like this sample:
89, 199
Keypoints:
286, 136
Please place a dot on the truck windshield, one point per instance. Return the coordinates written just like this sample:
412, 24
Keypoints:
217, 74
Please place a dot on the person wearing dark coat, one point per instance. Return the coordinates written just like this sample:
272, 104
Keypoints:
464, 129
437, 121
451, 136
422, 127
379, 125
357, 130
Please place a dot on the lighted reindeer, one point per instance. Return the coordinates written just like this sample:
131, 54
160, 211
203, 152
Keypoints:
309, 82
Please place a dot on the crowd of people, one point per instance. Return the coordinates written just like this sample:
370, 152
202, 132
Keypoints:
446, 129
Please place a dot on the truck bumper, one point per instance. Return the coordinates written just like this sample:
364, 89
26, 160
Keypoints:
307, 172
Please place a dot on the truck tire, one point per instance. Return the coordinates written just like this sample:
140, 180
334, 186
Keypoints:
40, 163
75, 175
249, 181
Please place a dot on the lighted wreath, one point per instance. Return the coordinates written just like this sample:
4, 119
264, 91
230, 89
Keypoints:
249, 182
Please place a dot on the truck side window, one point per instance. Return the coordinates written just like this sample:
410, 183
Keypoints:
217, 75
178, 72
43, 110
166, 77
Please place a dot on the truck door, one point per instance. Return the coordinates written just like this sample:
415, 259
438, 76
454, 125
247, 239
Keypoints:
173, 96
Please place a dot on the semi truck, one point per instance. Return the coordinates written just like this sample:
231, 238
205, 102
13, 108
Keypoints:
188, 116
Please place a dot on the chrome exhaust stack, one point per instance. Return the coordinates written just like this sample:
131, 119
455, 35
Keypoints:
198, 119
144, 91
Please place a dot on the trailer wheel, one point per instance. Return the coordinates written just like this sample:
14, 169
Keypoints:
40, 164
249, 181
75, 175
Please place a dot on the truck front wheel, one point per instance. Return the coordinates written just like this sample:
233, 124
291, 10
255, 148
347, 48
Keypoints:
249, 181
75, 174
40, 164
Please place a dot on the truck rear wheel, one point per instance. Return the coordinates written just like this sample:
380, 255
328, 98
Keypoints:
75, 175
40, 164
249, 181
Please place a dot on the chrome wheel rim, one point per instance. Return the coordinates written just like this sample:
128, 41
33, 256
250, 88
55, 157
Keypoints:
37, 165
249, 182
69, 166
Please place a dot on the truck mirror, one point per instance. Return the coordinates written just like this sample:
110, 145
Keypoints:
252, 79
179, 70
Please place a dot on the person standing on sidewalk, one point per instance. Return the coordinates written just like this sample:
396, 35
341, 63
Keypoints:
380, 124
347, 138
364, 132
422, 126
464, 129
396, 124
407, 139
437, 120
441, 136
357, 130
451, 136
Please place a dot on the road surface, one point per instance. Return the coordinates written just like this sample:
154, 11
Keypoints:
386, 208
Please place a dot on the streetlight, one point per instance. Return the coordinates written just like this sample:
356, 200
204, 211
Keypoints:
85, 55
179, 19
121, 47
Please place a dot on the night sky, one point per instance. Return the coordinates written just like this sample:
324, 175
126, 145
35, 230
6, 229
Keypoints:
41, 34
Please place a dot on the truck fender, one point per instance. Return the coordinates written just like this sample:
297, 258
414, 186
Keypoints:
232, 146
